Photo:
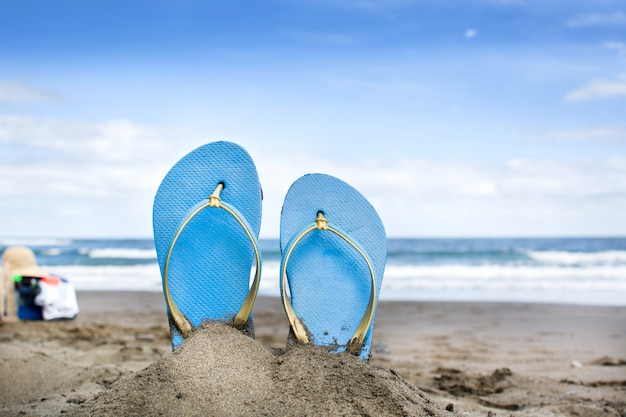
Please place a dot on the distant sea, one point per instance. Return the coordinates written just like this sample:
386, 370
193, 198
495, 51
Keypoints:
546, 270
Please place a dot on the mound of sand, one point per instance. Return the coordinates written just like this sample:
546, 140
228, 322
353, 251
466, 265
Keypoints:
220, 372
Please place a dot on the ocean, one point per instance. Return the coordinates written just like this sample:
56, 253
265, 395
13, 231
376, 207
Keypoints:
546, 270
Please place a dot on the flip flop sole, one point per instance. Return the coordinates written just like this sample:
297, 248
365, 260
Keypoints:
329, 281
208, 272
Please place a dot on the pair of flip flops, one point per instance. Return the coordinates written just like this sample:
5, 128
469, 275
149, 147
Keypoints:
207, 217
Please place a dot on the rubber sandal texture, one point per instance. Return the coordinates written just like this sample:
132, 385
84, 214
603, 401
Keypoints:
206, 221
334, 250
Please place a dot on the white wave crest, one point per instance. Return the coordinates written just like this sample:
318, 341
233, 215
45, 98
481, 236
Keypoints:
612, 257
452, 282
126, 278
484, 277
123, 253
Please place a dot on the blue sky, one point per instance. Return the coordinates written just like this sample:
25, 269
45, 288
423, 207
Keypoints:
455, 118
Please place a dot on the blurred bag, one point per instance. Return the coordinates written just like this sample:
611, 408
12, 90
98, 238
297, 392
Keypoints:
49, 298
57, 298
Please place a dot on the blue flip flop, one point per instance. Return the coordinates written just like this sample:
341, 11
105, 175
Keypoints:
334, 250
206, 220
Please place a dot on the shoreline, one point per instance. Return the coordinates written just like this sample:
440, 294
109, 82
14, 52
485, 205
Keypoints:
522, 359
456, 297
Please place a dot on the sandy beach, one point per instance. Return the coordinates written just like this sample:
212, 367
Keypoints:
474, 359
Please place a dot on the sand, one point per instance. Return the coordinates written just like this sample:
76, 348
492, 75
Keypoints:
435, 359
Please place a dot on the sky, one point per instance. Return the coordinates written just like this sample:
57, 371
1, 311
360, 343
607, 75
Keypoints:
484, 118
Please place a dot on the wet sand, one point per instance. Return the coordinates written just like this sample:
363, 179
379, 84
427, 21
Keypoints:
429, 359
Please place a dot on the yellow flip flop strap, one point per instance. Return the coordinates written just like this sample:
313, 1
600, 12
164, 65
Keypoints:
355, 344
182, 323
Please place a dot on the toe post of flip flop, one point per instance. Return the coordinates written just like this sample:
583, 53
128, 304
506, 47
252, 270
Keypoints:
334, 250
206, 222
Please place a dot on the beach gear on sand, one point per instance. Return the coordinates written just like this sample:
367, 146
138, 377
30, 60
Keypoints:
57, 298
334, 250
40, 296
206, 219
48, 297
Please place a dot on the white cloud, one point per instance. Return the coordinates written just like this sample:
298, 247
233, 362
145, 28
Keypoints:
559, 180
426, 198
597, 133
616, 46
597, 19
75, 178
22, 93
471, 33
597, 89
82, 142
104, 162
99, 179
